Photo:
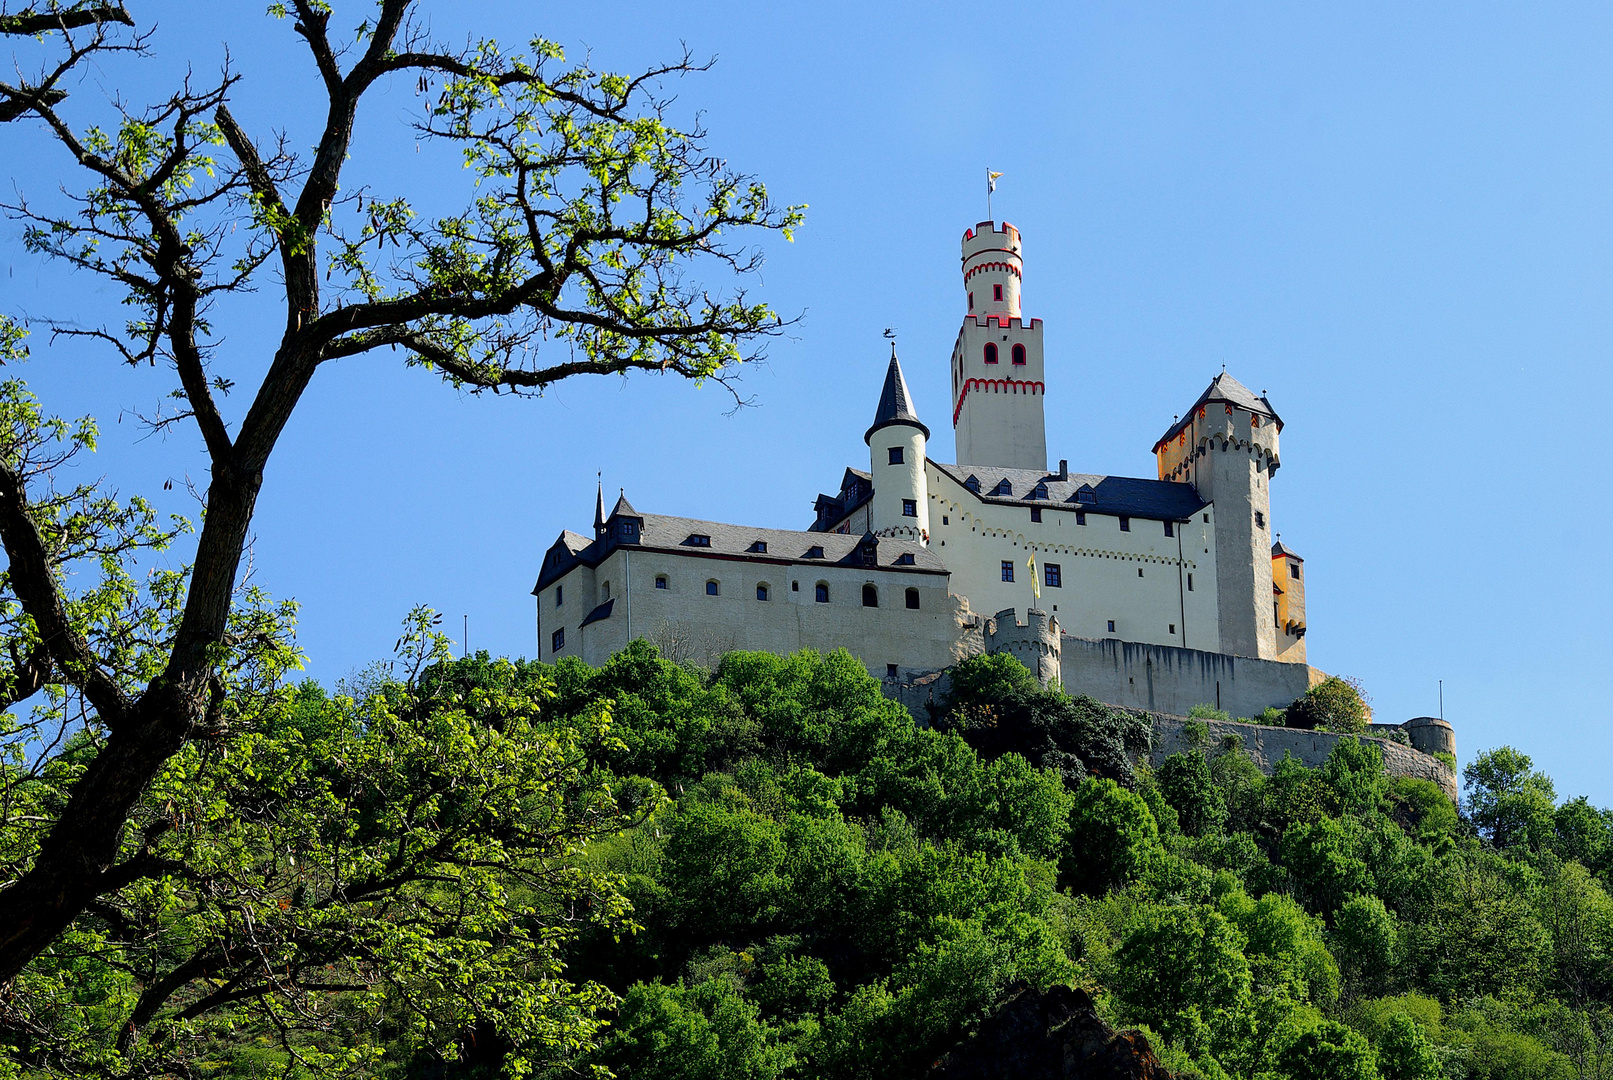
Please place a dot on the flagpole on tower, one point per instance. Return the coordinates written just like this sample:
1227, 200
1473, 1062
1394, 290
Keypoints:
991, 185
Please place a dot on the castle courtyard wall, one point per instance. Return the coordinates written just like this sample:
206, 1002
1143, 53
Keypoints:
1163, 679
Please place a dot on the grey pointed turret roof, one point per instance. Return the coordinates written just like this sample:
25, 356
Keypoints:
623, 507
599, 509
895, 404
1279, 550
1224, 388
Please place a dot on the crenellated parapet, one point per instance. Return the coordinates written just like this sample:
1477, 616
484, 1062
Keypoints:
1034, 643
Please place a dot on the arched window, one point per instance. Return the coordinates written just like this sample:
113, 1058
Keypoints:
1018, 354
761, 590
823, 592
711, 588
870, 596
913, 599
991, 352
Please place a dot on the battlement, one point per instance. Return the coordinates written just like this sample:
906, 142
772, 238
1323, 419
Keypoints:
1034, 643
1003, 322
986, 235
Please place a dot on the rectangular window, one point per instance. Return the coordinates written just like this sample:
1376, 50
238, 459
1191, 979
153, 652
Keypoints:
1173, 628
1260, 520
660, 581
559, 595
910, 508
1190, 583
890, 671
1052, 576
996, 292
1206, 519
1111, 626
1036, 513
1170, 528
557, 640
896, 455
1008, 570
1293, 570
1125, 523
1080, 517
604, 591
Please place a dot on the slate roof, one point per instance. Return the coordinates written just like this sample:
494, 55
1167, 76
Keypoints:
1280, 549
658, 532
895, 403
856, 489
1160, 500
1224, 388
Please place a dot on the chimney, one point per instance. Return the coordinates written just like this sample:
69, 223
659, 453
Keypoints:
1064, 469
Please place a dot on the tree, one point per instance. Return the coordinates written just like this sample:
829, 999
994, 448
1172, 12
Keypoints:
1336, 703
1508, 800
568, 259
383, 871
1324, 1050
996, 706
1180, 969
1188, 786
1113, 838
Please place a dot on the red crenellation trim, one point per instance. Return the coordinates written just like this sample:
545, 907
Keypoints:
1029, 386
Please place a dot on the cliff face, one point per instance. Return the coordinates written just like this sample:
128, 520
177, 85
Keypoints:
1052, 1035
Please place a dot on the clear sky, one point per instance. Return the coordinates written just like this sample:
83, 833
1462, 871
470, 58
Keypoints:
1395, 219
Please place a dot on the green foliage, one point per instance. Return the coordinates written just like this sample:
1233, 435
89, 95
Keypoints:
1335, 703
361, 875
1208, 712
1317, 1049
1113, 838
1182, 971
996, 706
1508, 800
1186, 783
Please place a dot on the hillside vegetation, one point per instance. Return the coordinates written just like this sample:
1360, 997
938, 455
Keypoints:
770, 870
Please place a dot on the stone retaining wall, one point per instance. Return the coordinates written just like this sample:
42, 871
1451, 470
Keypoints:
1266, 746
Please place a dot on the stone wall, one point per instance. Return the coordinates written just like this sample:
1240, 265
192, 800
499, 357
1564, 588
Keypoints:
1266, 746
1163, 679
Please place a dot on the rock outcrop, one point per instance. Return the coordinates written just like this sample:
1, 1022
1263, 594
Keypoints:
1051, 1035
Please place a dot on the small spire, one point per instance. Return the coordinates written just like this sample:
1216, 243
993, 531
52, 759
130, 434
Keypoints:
895, 404
599, 506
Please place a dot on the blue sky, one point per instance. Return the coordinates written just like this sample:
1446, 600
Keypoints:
1395, 219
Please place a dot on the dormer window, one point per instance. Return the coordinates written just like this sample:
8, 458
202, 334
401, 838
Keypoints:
1019, 355
698, 540
904, 559
973, 484
1085, 494
759, 547
814, 552
1003, 487
1039, 492
629, 531
991, 352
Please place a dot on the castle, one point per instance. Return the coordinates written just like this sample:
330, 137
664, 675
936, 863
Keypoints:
1154, 593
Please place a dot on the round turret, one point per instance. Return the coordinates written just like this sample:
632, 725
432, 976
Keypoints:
992, 269
1034, 643
896, 447
1431, 735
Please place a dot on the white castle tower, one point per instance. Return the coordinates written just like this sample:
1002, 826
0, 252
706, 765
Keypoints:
896, 444
1226, 447
997, 380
